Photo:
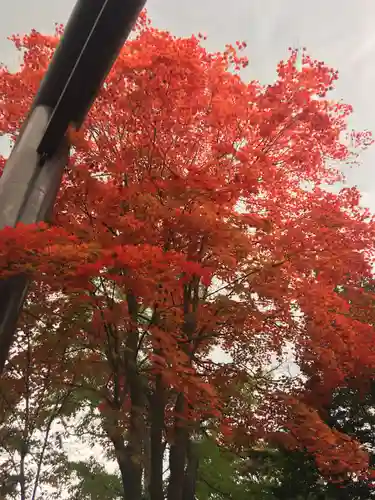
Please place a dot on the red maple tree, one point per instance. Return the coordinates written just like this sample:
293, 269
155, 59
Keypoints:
195, 215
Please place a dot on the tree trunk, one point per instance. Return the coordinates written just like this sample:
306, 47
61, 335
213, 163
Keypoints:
22, 476
179, 447
157, 407
129, 456
191, 473
137, 427
146, 462
134, 453
131, 479
177, 453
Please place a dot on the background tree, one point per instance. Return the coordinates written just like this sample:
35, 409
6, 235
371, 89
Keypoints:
349, 409
296, 475
32, 401
277, 472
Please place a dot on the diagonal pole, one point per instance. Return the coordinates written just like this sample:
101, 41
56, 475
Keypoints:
93, 37
27, 193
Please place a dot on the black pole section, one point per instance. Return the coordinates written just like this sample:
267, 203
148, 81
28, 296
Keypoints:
13, 293
27, 194
93, 37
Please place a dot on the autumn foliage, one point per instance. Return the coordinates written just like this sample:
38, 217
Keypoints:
197, 213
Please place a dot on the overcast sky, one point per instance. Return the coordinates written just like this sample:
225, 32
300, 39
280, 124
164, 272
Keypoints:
339, 32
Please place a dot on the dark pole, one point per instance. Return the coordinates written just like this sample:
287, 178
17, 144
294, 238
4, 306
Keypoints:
93, 37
